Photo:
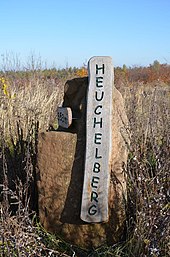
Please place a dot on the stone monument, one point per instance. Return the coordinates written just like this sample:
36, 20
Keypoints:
80, 167
98, 141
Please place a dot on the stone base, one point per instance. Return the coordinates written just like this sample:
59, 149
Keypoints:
60, 174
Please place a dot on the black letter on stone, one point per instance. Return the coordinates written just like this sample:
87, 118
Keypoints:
101, 68
98, 82
92, 210
97, 107
94, 196
96, 154
101, 97
98, 138
97, 122
95, 180
96, 168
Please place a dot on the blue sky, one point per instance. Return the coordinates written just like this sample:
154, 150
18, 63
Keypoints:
69, 32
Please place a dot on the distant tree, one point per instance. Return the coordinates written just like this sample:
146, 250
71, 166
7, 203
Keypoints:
124, 68
82, 72
156, 66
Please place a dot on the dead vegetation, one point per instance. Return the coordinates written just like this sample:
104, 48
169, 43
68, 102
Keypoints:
27, 105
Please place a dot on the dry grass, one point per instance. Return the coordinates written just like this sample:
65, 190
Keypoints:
33, 108
148, 109
34, 100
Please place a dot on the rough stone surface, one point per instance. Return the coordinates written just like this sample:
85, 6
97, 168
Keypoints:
98, 140
60, 173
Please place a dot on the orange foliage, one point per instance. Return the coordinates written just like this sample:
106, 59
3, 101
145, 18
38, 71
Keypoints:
155, 72
82, 72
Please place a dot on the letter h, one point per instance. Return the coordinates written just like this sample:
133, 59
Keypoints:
99, 68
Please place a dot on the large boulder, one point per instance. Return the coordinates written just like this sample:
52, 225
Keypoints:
60, 173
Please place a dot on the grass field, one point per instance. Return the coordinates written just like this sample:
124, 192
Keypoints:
28, 103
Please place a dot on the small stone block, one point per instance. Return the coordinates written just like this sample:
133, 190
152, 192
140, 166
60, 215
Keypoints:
64, 115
